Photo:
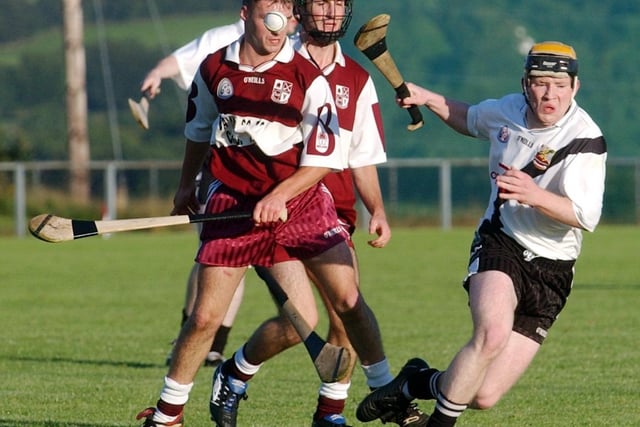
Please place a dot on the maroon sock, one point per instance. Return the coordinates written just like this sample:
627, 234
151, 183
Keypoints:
328, 406
168, 409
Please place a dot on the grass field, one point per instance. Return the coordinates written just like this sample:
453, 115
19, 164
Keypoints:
86, 326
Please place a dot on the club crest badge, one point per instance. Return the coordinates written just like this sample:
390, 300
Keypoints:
504, 134
281, 91
342, 97
225, 89
542, 160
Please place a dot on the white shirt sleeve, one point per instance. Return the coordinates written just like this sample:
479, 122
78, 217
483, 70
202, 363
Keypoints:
191, 55
367, 138
199, 128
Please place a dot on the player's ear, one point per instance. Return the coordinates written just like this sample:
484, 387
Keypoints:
244, 12
576, 85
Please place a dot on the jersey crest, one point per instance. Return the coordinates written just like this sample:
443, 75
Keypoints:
225, 89
342, 97
542, 160
281, 91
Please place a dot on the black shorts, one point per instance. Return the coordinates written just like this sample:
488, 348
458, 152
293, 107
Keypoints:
542, 285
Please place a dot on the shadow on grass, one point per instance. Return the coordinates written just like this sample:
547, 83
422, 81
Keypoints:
115, 363
19, 423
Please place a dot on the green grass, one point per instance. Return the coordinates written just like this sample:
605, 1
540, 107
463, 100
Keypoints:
87, 325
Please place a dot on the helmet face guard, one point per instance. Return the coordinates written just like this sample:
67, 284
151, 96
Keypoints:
310, 22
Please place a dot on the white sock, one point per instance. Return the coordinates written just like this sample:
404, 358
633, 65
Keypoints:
335, 391
378, 374
174, 393
243, 365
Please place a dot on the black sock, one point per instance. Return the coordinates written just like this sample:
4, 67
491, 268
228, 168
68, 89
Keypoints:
220, 340
423, 384
438, 419
446, 412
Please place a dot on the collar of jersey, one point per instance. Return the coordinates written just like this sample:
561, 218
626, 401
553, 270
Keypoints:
301, 48
284, 56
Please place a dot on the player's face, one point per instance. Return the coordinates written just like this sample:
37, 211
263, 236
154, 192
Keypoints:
325, 15
262, 40
550, 98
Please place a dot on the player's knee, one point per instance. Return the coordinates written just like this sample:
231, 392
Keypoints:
491, 341
349, 302
485, 399
204, 321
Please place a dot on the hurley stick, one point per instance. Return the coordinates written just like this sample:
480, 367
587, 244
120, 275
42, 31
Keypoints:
331, 361
371, 40
54, 229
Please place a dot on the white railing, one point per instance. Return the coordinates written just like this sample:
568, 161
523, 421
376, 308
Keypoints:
110, 169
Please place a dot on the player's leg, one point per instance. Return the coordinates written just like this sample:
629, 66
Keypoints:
492, 301
272, 337
189, 299
277, 334
216, 353
334, 270
505, 370
332, 396
216, 286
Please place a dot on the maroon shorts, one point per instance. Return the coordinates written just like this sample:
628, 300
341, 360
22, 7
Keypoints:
281, 253
312, 228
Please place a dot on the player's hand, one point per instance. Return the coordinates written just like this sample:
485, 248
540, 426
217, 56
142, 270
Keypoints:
270, 209
151, 84
378, 225
185, 201
417, 96
516, 185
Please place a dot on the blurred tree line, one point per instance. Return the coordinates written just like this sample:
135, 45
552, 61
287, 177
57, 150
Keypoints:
467, 51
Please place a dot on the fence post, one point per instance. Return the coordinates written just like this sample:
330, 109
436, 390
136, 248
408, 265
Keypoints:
445, 194
111, 190
20, 199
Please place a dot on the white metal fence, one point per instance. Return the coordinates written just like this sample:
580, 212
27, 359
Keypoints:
421, 186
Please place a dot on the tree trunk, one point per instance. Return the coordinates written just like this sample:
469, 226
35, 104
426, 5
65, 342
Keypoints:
76, 100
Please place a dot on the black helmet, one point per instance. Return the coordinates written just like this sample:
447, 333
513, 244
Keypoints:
310, 26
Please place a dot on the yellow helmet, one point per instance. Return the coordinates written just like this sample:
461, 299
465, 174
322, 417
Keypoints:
551, 58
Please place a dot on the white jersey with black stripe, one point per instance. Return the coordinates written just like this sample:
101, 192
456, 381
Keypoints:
567, 159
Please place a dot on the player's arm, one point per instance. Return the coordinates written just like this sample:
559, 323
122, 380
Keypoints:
453, 113
517, 185
271, 206
367, 185
185, 200
165, 68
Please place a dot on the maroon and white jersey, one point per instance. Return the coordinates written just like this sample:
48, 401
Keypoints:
263, 123
361, 130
